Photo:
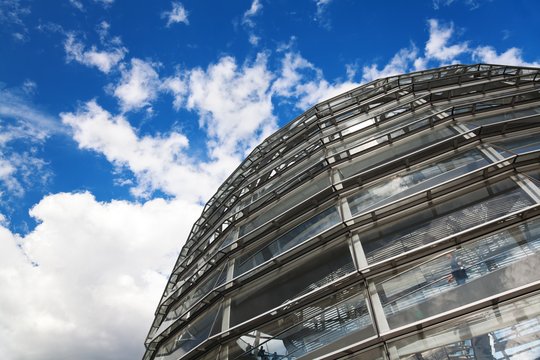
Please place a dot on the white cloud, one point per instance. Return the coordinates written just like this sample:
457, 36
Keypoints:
77, 4
12, 12
512, 56
399, 64
20, 171
97, 276
104, 60
254, 39
471, 4
321, 16
29, 87
253, 10
249, 23
105, 3
20, 37
30, 120
8, 179
158, 162
437, 45
438, 51
177, 86
300, 79
22, 122
138, 86
234, 104
178, 14
103, 31
437, 3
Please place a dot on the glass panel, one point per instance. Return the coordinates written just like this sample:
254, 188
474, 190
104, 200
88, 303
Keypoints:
194, 295
521, 144
317, 224
208, 259
188, 338
510, 331
286, 203
287, 176
442, 220
213, 355
535, 175
302, 276
372, 134
371, 354
398, 149
343, 315
496, 263
410, 181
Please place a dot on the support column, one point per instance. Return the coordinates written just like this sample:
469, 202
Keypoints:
226, 319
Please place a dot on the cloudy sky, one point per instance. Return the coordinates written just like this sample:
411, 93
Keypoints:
120, 118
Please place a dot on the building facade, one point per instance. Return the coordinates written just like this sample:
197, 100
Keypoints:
399, 220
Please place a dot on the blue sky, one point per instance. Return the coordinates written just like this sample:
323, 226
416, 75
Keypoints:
119, 119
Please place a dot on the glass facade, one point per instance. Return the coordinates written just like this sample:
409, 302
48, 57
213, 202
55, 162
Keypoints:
399, 220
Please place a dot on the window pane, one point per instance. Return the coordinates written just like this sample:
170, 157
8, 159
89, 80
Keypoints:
297, 235
521, 144
496, 263
286, 203
341, 315
445, 219
504, 332
194, 295
400, 148
411, 181
503, 117
371, 354
188, 338
304, 275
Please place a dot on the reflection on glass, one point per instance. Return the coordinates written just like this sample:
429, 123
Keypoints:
490, 119
287, 283
521, 144
338, 316
496, 263
410, 181
442, 220
194, 295
188, 338
388, 153
275, 182
285, 203
509, 332
369, 135
371, 354
208, 259
297, 235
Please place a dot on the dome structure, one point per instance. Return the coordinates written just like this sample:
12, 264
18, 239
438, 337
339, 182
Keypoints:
399, 220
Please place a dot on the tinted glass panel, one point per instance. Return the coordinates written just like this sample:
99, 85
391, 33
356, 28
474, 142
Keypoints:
442, 220
300, 277
286, 203
494, 264
188, 338
521, 144
297, 235
398, 149
343, 315
194, 296
505, 332
411, 181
